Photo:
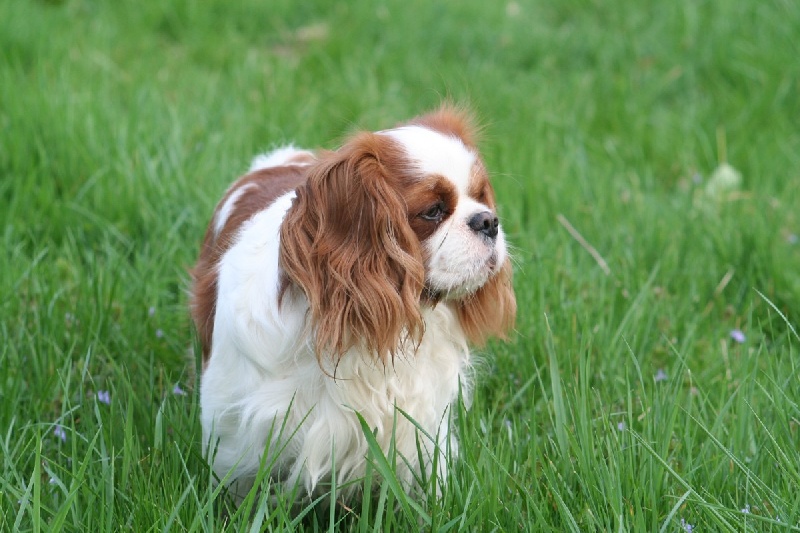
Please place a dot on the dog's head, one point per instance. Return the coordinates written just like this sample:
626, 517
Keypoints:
394, 221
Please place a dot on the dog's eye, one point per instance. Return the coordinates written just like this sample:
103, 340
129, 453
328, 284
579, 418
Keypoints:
434, 213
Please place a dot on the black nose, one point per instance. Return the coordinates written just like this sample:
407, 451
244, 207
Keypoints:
485, 222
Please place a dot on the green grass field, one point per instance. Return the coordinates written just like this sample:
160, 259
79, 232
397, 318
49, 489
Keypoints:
654, 380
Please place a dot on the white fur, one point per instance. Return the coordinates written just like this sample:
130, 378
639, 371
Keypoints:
279, 157
461, 261
435, 153
263, 388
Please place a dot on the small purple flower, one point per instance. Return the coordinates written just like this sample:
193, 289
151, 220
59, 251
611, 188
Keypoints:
746, 509
178, 391
159, 333
792, 238
660, 375
621, 426
60, 434
738, 336
151, 311
104, 396
686, 526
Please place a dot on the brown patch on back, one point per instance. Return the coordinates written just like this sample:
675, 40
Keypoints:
264, 186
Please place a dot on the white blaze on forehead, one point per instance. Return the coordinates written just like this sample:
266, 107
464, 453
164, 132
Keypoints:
436, 153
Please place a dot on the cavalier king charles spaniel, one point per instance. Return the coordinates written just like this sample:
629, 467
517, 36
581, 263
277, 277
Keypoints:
344, 282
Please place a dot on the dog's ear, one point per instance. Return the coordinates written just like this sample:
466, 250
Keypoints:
347, 244
492, 310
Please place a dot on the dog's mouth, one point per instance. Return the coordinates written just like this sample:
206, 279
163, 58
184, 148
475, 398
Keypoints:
467, 287
492, 263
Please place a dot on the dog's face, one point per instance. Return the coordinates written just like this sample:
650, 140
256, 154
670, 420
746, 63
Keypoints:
392, 222
451, 209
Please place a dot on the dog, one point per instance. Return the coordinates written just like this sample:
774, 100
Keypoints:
333, 284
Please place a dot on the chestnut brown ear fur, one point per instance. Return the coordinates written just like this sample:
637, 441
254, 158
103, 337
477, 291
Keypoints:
491, 311
347, 244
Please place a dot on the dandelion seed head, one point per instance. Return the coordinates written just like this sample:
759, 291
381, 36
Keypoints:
724, 180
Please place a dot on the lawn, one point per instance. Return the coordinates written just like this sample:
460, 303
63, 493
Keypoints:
646, 157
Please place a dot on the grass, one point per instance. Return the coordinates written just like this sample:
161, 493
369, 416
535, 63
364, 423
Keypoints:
122, 122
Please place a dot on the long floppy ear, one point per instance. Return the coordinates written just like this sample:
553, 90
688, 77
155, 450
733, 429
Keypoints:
347, 244
492, 310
